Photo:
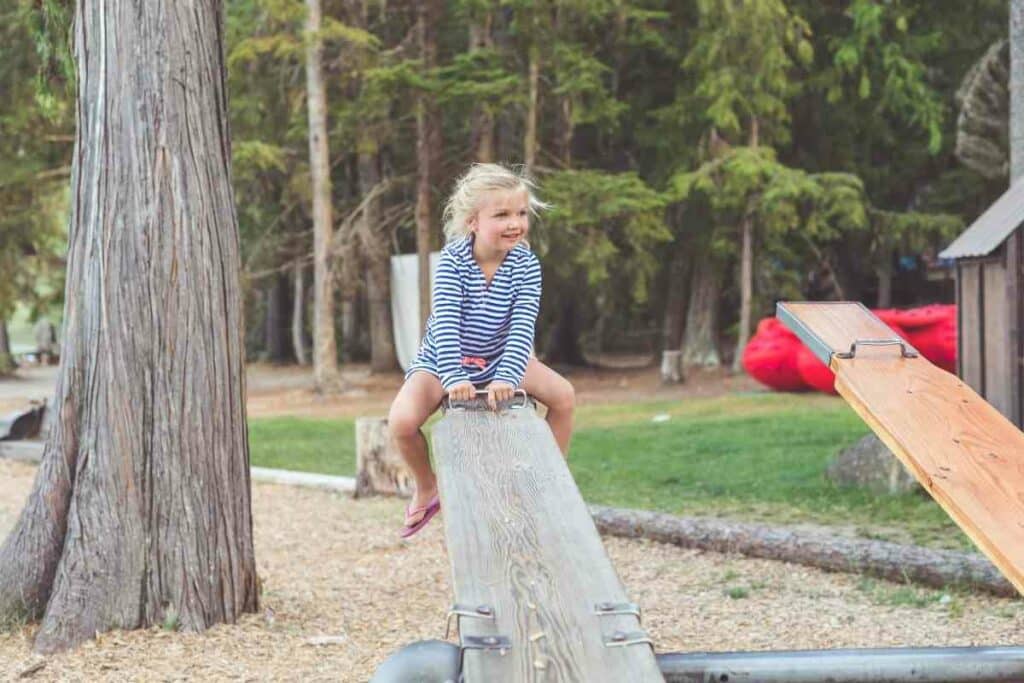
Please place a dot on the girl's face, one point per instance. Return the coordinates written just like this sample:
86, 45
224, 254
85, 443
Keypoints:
502, 221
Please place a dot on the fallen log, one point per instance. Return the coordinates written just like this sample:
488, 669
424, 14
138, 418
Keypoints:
882, 559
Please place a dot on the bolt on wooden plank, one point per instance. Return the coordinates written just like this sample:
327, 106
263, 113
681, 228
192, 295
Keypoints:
536, 596
965, 453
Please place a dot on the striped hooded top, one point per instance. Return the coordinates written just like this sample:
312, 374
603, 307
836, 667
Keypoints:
480, 332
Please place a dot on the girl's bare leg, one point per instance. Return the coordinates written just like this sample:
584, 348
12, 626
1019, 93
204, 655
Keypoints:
555, 392
417, 400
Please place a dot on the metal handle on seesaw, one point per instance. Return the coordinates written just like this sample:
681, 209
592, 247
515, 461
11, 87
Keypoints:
449, 404
906, 350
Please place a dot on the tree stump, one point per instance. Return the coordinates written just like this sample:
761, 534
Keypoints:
379, 465
671, 367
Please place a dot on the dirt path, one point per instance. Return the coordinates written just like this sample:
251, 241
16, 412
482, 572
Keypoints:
333, 566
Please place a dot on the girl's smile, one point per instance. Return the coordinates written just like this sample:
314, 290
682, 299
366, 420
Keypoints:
501, 223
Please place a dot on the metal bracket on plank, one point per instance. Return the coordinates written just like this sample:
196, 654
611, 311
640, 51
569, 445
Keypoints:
906, 350
626, 638
458, 611
486, 643
614, 608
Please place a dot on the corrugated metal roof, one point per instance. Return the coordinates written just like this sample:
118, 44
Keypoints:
992, 227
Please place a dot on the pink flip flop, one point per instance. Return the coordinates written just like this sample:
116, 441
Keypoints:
429, 510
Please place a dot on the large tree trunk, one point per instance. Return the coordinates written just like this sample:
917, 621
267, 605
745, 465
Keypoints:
675, 312
277, 327
563, 347
325, 349
141, 510
483, 118
348, 258
298, 312
746, 290
746, 266
884, 273
530, 137
675, 301
376, 243
700, 346
428, 149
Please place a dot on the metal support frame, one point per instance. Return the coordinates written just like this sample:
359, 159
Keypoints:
436, 661
891, 665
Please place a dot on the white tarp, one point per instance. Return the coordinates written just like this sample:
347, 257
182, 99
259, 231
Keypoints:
405, 304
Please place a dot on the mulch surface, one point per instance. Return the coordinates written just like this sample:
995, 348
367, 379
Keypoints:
342, 592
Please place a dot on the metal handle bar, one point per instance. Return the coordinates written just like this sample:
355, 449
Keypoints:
520, 394
905, 349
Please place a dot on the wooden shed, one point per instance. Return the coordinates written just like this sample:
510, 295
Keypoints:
990, 308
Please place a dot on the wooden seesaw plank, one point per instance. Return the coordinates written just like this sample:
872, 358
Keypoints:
523, 546
962, 450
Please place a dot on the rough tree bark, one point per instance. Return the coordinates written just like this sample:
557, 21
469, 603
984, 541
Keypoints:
140, 513
376, 246
700, 347
884, 273
563, 346
676, 291
746, 266
428, 150
530, 137
482, 135
325, 349
675, 311
277, 327
746, 288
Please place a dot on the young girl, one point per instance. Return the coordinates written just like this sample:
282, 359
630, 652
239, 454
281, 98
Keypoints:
485, 301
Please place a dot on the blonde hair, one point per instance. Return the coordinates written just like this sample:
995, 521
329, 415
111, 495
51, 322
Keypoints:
476, 182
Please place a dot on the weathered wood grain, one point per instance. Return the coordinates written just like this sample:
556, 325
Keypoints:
971, 334
521, 541
962, 450
998, 378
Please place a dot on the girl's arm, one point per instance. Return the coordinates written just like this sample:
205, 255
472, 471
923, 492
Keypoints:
512, 366
447, 310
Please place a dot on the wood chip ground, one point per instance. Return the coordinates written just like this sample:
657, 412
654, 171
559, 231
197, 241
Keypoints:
341, 593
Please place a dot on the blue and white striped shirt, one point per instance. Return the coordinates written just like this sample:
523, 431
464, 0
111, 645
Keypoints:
479, 332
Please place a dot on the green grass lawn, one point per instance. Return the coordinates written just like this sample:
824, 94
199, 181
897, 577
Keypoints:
757, 457
293, 443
